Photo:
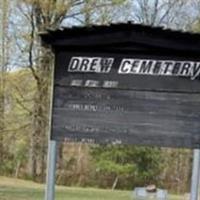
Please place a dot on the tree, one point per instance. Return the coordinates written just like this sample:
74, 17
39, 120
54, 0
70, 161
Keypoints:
142, 164
42, 15
3, 68
19, 94
89, 12
167, 13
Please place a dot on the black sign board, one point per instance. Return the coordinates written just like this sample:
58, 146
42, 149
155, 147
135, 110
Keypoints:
129, 94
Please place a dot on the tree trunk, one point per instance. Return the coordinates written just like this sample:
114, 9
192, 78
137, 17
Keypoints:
41, 73
44, 103
3, 35
32, 153
115, 182
1, 125
17, 169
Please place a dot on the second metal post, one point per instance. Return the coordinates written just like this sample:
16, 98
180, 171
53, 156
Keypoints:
195, 175
51, 171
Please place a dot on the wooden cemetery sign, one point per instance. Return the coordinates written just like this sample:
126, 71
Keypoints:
126, 84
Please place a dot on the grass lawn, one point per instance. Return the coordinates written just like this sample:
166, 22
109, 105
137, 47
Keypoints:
15, 189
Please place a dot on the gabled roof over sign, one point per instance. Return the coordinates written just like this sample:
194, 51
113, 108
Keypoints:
124, 36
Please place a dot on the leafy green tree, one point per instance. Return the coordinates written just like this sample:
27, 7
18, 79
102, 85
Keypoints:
18, 105
143, 164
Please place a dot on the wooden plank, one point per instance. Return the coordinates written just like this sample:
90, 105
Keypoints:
129, 81
152, 38
125, 116
100, 103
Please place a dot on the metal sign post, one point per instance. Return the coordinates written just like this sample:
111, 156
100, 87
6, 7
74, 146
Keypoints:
52, 150
195, 175
51, 171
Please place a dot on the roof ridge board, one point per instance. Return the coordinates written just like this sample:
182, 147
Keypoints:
126, 30
133, 27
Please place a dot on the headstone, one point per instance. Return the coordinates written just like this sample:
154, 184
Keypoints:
142, 193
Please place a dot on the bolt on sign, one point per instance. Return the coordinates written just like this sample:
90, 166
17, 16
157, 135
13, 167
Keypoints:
126, 84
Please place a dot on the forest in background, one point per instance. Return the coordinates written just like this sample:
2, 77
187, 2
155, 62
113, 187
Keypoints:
25, 80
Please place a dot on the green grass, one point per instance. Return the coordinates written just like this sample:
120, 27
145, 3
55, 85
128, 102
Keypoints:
15, 189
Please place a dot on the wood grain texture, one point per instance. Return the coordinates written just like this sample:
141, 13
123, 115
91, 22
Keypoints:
125, 81
126, 116
125, 108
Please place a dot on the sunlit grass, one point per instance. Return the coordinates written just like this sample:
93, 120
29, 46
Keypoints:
15, 189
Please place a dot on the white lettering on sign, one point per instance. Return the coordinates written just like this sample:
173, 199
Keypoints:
94, 83
160, 67
90, 64
77, 82
189, 69
110, 84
